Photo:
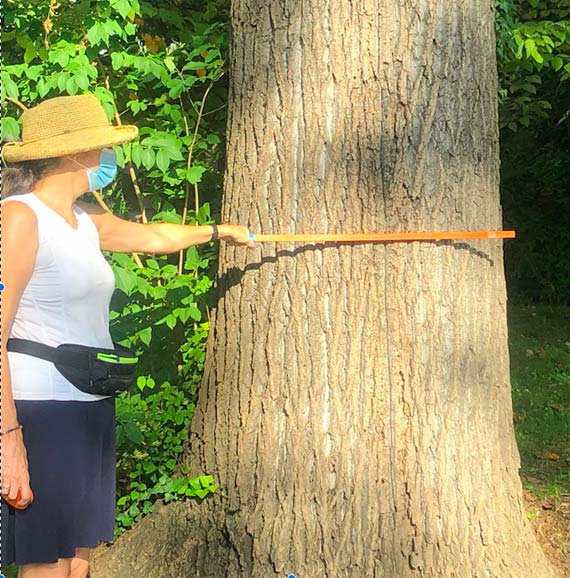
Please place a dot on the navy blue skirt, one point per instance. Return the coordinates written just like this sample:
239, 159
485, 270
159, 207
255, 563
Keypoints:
71, 455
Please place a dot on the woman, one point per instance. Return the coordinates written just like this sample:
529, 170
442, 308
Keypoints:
58, 288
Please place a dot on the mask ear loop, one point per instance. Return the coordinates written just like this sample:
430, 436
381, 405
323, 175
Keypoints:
76, 162
83, 166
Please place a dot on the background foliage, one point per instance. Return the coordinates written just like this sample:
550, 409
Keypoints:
162, 66
533, 52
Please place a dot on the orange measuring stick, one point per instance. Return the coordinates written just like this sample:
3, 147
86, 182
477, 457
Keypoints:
371, 237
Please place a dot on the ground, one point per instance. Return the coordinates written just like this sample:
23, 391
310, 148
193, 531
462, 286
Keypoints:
539, 344
550, 520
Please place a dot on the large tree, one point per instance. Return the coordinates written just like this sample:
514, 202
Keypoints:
356, 405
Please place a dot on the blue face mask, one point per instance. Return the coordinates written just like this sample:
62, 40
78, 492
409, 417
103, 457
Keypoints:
105, 173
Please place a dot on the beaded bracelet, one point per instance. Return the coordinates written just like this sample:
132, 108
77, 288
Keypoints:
12, 429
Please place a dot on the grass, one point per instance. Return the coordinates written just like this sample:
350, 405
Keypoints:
10, 572
539, 345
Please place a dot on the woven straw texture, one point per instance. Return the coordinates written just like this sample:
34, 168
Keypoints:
65, 125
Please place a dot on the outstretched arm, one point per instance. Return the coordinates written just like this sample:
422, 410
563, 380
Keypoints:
124, 236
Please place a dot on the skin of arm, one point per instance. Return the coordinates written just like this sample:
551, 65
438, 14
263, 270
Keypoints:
124, 236
18, 260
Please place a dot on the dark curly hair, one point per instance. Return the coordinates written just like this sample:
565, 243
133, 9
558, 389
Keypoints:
21, 178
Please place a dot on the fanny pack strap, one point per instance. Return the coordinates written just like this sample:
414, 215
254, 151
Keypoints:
81, 361
93, 370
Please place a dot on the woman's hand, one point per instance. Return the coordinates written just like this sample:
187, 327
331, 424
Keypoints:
15, 475
235, 235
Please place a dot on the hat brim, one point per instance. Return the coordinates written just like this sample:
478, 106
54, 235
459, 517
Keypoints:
66, 144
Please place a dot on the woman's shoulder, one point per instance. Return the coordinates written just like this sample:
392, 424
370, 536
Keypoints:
25, 203
23, 207
20, 216
25, 198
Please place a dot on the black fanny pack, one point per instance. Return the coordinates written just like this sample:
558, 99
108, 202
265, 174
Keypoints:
91, 369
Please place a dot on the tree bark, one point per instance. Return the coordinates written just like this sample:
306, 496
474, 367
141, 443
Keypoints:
356, 405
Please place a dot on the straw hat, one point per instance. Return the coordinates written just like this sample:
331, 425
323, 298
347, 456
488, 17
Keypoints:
65, 125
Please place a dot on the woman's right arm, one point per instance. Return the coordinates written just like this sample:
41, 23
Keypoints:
19, 248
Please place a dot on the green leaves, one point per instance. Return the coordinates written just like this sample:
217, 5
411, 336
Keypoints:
145, 335
163, 160
542, 42
151, 430
199, 487
528, 41
117, 59
126, 8
102, 31
30, 50
557, 63
531, 50
159, 295
159, 149
125, 280
9, 87
10, 127
193, 175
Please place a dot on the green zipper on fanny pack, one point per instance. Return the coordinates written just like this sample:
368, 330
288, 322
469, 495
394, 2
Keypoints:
111, 358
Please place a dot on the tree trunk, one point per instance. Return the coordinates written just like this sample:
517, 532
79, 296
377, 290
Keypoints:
356, 405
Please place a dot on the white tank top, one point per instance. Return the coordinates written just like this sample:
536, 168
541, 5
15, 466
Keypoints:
66, 301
